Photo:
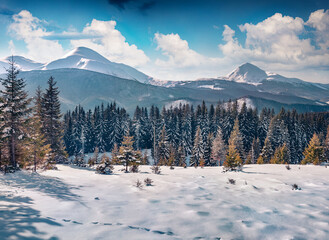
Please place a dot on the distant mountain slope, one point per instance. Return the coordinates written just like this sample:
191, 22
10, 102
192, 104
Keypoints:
89, 89
23, 63
249, 73
87, 59
81, 58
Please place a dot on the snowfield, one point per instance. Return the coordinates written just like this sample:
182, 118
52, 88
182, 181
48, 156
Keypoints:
73, 203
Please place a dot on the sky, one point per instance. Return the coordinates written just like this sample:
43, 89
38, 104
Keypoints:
175, 40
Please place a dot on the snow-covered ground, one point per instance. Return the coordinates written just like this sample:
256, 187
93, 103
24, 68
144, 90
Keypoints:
74, 203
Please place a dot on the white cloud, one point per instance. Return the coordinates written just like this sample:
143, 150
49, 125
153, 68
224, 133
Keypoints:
320, 21
109, 42
179, 61
278, 42
12, 48
30, 29
177, 51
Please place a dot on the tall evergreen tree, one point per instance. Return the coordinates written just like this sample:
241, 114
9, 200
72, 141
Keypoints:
197, 152
52, 118
219, 148
15, 110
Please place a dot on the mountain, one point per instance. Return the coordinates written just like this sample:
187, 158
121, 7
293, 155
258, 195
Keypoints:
81, 58
87, 59
85, 77
23, 63
249, 73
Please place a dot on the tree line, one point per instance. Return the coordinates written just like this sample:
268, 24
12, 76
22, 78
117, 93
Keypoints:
35, 134
200, 136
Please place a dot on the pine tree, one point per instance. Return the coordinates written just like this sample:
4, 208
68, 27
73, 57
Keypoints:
255, 151
281, 155
181, 157
207, 156
314, 151
162, 155
233, 160
267, 151
36, 149
236, 139
197, 152
127, 155
52, 119
115, 154
326, 146
218, 148
15, 110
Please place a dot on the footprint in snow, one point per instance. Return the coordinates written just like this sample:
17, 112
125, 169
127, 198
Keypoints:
94, 222
66, 220
77, 222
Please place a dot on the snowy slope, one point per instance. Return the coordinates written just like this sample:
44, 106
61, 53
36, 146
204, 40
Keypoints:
85, 58
22, 63
74, 203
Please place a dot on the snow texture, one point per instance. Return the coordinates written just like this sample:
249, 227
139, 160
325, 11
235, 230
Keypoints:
74, 203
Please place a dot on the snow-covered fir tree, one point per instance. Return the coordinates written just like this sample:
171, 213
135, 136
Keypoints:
15, 111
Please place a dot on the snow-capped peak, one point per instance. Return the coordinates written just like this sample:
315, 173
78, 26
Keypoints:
247, 73
88, 59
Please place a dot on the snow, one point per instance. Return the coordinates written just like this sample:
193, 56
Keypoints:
81, 58
74, 203
176, 103
210, 87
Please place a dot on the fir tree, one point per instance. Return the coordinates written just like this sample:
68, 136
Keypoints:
236, 139
281, 155
37, 151
127, 155
15, 110
197, 152
52, 118
314, 151
326, 146
218, 148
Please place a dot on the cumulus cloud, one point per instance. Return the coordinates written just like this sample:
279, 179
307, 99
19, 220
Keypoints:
278, 40
109, 42
320, 21
177, 51
30, 29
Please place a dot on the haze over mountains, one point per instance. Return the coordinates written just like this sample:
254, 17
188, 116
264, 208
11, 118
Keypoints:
85, 77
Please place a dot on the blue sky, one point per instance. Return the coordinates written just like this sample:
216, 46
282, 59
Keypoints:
175, 39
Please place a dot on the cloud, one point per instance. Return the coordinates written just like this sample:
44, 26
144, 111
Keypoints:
176, 50
12, 48
279, 41
179, 61
109, 42
30, 29
320, 21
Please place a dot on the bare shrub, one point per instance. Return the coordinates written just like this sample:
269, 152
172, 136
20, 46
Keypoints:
231, 181
148, 181
139, 184
295, 187
156, 169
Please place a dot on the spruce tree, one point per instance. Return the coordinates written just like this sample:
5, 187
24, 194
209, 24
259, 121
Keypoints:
218, 148
15, 110
236, 139
128, 156
326, 146
197, 152
37, 150
281, 155
52, 119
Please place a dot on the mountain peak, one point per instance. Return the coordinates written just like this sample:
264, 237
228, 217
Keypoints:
247, 73
87, 53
